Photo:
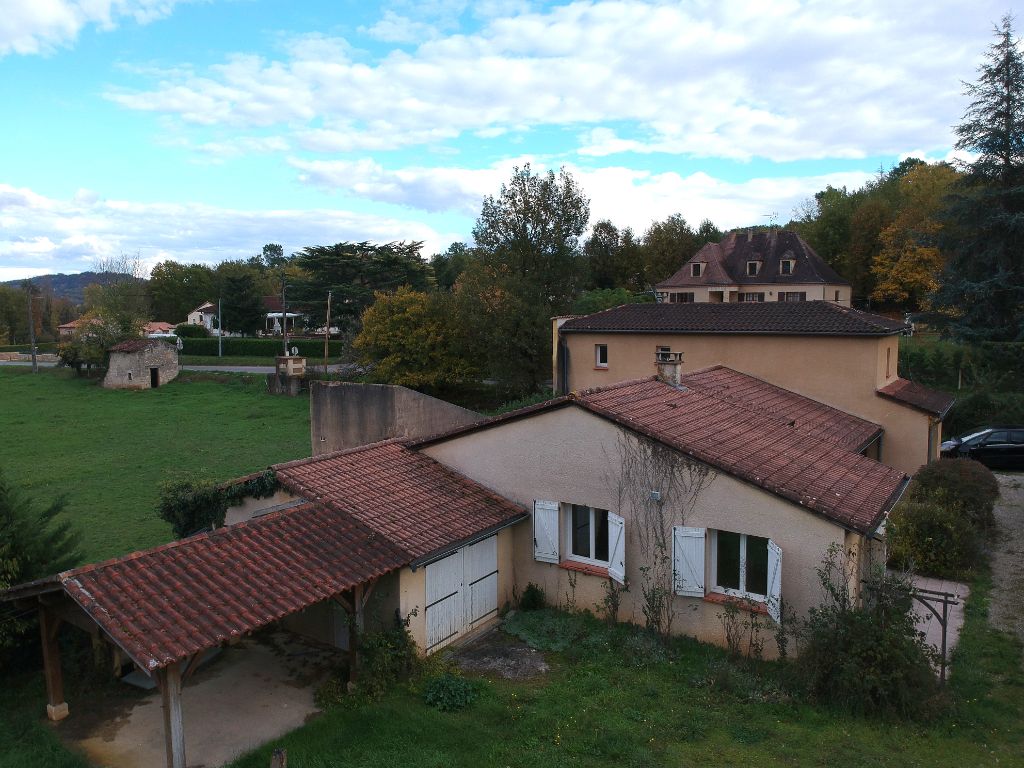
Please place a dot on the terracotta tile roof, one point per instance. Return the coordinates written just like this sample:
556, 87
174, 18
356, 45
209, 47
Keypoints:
848, 488
799, 318
163, 604
158, 326
405, 496
805, 415
727, 262
919, 396
137, 345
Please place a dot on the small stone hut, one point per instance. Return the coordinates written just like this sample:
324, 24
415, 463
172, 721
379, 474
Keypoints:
141, 364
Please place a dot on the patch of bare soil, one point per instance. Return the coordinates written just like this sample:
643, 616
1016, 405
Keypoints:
495, 653
1007, 603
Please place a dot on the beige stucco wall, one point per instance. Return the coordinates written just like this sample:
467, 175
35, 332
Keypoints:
569, 455
251, 507
842, 371
814, 291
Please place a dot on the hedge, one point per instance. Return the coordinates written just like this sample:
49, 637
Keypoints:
992, 365
240, 347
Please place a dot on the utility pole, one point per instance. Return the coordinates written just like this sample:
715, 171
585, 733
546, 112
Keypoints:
284, 315
220, 329
327, 332
29, 291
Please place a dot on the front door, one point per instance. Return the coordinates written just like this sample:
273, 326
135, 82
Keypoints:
154, 377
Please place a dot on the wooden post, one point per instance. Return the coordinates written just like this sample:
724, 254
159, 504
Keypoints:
279, 758
56, 707
355, 632
174, 730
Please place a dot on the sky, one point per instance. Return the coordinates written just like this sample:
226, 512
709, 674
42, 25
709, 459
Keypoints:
198, 130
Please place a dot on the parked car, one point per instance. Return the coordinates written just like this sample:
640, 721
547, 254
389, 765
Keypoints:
995, 447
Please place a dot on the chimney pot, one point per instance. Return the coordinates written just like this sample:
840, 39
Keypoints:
669, 365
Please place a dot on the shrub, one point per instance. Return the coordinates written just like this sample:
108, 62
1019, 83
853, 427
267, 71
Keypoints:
192, 504
449, 692
967, 484
982, 409
933, 535
866, 658
191, 331
385, 658
533, 598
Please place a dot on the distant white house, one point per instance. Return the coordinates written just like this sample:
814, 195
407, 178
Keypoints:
205, 315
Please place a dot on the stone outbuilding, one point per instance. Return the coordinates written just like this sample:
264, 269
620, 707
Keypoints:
141, 364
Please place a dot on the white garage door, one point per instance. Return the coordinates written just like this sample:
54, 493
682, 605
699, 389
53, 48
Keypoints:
462, 591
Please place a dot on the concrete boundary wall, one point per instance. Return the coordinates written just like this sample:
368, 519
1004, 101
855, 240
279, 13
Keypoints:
346, 415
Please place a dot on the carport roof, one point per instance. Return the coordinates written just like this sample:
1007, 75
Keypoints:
164, 604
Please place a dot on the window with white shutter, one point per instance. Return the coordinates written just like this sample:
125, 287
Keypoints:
773, 600
688, 561
616, 547
545, 531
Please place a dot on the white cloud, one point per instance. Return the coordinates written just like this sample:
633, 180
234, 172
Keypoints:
626, 196
41, 26
40, 234
784, 81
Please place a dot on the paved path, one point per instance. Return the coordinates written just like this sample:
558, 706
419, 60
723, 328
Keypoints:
1006, 610
927, 621
253, 693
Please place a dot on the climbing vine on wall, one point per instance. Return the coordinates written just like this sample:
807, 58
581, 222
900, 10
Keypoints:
192, 504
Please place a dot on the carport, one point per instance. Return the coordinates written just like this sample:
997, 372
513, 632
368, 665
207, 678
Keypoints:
165, 607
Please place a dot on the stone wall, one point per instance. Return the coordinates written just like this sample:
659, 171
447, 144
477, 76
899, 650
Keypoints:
345, 415
131, 370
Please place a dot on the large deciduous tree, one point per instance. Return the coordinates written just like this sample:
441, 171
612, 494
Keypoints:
983, 286
532, 228
176, 289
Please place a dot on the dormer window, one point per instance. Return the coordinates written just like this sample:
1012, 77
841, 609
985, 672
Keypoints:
753, 267
786, 266
696, 269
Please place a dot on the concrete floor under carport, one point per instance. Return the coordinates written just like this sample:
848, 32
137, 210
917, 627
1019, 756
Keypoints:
253, 692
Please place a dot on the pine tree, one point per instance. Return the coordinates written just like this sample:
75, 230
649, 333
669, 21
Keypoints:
983, 284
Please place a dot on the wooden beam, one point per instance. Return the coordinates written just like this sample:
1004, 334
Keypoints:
367, 591
169, 679
49, 623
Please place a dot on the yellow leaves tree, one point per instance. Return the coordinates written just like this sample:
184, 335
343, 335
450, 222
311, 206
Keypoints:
411, 338
909, 265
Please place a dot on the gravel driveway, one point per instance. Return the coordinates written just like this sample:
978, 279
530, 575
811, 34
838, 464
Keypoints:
1007, 604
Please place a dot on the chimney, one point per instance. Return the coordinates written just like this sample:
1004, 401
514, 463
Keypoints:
669, 364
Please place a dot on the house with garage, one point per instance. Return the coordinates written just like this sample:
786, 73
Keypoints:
709, 487
832, 354
755, 266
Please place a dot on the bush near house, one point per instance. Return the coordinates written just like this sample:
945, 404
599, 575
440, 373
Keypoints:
191, 331
980, 409
939, 527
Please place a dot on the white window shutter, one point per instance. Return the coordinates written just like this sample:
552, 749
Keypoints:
617, 548
545, 531
688, 561
774, 581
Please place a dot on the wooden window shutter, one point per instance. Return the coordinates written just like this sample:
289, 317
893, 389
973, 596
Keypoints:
688, 561
774, 597
545, 531
617, 548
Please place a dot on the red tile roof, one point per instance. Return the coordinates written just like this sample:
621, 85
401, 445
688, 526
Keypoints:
848, 488
166, 603
805, 415
405, 496
918, 396
778, 318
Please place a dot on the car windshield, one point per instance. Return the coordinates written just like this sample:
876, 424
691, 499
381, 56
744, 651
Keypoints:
974, 436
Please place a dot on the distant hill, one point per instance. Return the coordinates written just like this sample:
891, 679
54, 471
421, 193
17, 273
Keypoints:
70, 287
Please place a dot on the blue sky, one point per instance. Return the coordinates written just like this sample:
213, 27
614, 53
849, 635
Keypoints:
198, 131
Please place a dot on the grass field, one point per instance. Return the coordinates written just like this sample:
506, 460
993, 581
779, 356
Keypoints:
616, 698
108, 451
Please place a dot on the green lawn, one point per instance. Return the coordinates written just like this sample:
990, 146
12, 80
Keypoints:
610, 702
109, 450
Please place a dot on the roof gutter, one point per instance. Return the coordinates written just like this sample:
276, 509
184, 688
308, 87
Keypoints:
448, 549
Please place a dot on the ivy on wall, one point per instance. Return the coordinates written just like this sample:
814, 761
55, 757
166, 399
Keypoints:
193, 504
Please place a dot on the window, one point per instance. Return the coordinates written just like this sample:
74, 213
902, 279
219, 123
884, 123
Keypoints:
748, 297
600, 355
837, 295
792, 295
696, 269
593, 537
753, 267
786, 267
741, 564
588, 533
681, 298
888, 362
